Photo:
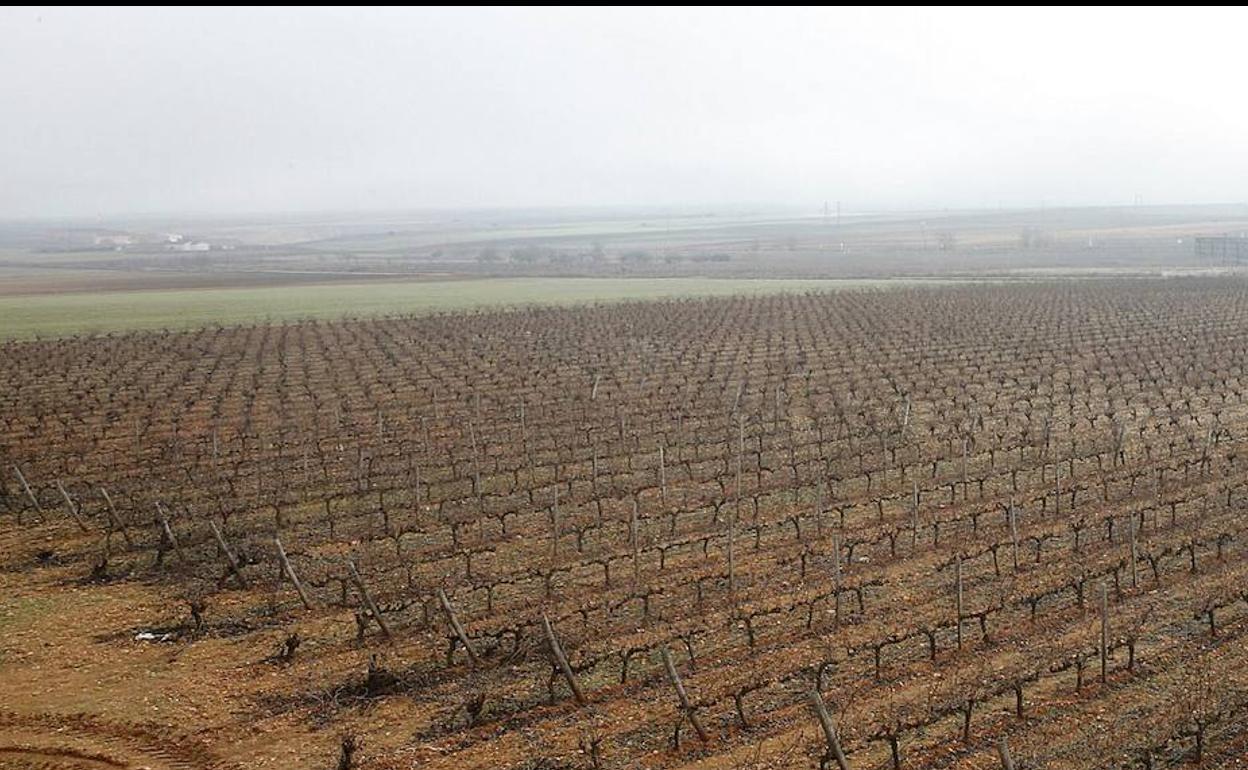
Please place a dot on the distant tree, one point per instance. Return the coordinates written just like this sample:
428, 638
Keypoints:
637, 257
528, 255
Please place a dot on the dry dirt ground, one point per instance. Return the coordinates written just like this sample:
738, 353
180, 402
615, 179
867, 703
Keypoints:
78, 691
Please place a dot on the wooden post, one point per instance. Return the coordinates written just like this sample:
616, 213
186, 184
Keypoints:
966, 487
554, 527
368, 599
290, 573
735, 513
476, 461
682, 695
71, 506
168, 530
112, 517
1057, 489
829, 730
836, 573
662, 476
1135, 575
959, 600
732, 561
819, 510
736, 503
416, 489
1013, 533
456, 627
914, 516
29, 493
1003, 749
1104, 632
556, 649
229, 555
634, 535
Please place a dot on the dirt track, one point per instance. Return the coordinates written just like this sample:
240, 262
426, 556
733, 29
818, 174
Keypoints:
51, 741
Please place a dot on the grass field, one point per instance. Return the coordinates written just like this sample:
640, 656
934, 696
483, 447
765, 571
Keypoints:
52, 315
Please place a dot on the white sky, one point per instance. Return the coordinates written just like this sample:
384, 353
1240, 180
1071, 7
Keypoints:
233, 111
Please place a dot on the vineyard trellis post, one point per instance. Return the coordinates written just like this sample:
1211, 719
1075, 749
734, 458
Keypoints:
959, 598
113, 521
682, 695
1104, 631
71, 506
561, 659
634, 536
1013, 517
368, 599
230, 560
829, 730
662, 477
456, 627
168, 532
836, 575
290, 573
554, 527
914, 515
29, 494
1003, 750
1135, 575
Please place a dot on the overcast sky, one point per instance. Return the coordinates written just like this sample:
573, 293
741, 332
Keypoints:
231, 111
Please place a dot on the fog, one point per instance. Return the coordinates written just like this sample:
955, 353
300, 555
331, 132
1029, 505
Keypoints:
106, 112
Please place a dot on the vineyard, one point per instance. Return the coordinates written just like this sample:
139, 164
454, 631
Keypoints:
962, 527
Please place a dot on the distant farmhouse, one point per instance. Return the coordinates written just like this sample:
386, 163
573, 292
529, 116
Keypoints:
189, 246
150, 242
114, 240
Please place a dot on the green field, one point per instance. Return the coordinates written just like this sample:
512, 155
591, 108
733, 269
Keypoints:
55, 315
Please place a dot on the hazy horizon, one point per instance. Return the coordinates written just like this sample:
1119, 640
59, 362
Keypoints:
205, 112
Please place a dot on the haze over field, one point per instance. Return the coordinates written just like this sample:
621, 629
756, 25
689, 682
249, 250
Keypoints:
110, 112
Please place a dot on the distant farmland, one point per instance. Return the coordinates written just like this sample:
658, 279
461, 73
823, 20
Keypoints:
51, 315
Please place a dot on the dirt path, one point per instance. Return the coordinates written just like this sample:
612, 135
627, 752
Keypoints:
78, 691
52, 741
